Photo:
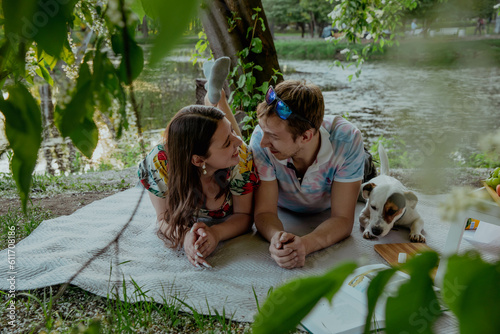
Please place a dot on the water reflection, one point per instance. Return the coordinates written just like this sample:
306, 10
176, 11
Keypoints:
160, 93
449, 107
434, 111
163, 90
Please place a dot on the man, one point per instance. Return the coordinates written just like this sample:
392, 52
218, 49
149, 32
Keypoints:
307, 162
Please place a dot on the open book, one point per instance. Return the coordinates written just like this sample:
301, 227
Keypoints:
347, 313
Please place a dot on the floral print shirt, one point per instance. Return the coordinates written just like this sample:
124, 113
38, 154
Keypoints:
242, 178
340, 158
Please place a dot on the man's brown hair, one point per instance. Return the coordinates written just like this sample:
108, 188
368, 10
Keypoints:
305, 99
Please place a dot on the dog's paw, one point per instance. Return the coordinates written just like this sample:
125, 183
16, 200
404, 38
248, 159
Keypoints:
368, 235
417, 237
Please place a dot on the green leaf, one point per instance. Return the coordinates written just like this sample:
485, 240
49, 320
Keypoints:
290, 303
241, 81
23, 127
247, 119
85, 138
174, 17
75, 120
42, 21
257, 45
403, 312
264, 87
18, 17
262, 24
244, 53
86, 12
42, 72
66, 54
94, 327
137, 8
249, 29
473, 294
48, 59
375, 289
132, 55
456, 279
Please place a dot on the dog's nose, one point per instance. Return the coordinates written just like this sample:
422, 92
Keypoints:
376, 230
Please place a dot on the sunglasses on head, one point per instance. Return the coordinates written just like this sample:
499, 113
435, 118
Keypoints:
281, 108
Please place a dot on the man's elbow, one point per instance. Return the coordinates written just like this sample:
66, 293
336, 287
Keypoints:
348, 226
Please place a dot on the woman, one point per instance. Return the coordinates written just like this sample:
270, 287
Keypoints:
203, 170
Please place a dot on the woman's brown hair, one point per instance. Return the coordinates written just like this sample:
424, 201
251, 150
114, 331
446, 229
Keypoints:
188, 133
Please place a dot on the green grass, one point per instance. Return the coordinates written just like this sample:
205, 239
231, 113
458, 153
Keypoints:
438, 51
57, 184
136, 313
24, 224
310, 49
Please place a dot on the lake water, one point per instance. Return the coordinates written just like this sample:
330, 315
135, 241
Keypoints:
436, 113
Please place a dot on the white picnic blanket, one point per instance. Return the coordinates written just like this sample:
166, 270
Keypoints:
60, 246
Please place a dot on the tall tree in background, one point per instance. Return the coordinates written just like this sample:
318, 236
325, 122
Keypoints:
313, 13
230, 26
285, 12
316, 12
426, 11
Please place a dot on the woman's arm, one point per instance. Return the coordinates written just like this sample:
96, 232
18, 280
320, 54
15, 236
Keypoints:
238, 223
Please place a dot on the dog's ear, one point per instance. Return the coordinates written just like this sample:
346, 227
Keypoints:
411, 198
394, 206
398, 199
367, 189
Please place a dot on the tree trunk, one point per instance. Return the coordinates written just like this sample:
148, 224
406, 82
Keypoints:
312, 24
214, 18
53, 146
302, 26
144, 27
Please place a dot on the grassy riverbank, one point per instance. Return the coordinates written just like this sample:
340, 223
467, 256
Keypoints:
432, 51
416, 51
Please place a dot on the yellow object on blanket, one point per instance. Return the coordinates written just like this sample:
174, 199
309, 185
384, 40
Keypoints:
472, 224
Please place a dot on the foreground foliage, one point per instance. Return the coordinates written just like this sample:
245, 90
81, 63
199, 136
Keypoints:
36, 43
473, 295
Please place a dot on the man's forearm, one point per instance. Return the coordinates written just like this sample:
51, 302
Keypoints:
268, 224
331, 231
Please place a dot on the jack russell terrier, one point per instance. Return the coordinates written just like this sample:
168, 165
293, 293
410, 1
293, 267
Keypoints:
389, 203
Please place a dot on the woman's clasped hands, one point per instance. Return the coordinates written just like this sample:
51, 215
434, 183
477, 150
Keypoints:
199, 243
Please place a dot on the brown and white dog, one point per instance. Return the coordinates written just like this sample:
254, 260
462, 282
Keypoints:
388, 204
